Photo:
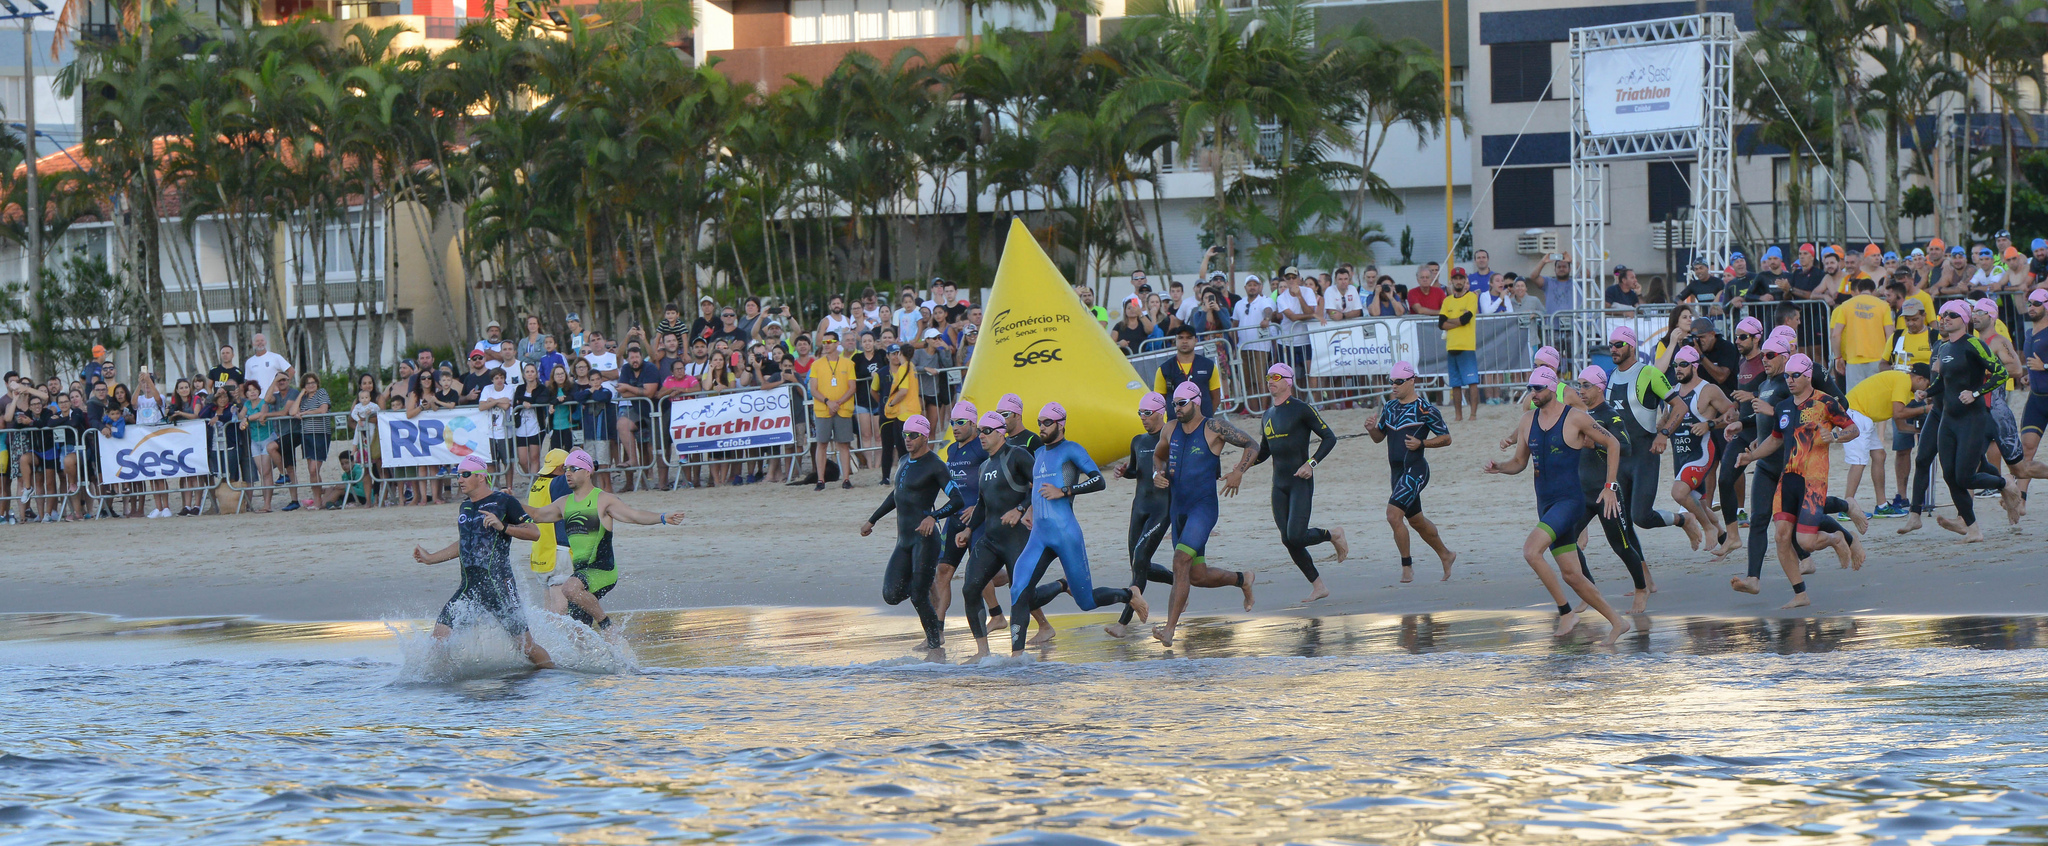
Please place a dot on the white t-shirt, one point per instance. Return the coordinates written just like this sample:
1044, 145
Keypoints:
1344, 300
1247, 314
493, 392
1306, 304
906, 324
1490, 304
1185, 310
1980, 279
603, 362
263, 369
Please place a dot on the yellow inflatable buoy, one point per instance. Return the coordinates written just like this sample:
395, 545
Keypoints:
1039, 342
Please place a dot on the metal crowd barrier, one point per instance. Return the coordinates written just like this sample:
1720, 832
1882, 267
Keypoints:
20, 444
101, 494
337, 424
792, 454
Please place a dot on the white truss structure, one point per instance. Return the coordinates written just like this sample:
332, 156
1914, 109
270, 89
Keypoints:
1711, 145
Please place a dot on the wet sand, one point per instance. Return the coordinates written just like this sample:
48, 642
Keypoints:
772, 545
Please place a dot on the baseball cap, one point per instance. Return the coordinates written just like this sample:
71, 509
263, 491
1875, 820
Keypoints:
1957, 308
1689, 355
1592, 373
476, 353
1800, 364
1150, 403
1010, 403
572, 316
1185, 329
2002, 234
1912, 307
1251, 277
964, 410
1290, 270
1543, 378
1620, 269
1704, 324
1547, 356
931, 333
894, 348
1052, 411
1458, 272
1923, 371
991, 420
553, 461
1623, 333
1187, 391
1402, 370
473, 463
917, 425
1749, 326
1281, 370
580, 460
1217, 274
1777, 345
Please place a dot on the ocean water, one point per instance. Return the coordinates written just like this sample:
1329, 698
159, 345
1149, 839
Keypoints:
811, 727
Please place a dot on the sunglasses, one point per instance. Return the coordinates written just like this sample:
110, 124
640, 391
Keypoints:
1183, 403
1803, 374
1275, 377
1743, 336
1768, 356
468, 473
1539, 388
987, 430
1616, 344
1048, 421
1145, 412
963, 422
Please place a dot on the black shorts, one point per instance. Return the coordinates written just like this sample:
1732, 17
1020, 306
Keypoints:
528, 440
287, 445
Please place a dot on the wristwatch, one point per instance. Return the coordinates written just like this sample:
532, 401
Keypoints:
1614, 486
1664, 432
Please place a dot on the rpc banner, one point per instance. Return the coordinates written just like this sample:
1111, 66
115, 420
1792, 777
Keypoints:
434, 438
1645, 89
143, 453
727, 422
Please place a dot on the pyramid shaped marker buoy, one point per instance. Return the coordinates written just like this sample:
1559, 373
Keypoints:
1039, 342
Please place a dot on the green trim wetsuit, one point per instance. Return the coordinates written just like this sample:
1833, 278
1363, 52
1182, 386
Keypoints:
1621, 534
1967, 429
1640, 392
590, 547
1283, 437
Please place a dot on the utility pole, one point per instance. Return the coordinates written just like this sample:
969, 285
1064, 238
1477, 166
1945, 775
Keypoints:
32, 207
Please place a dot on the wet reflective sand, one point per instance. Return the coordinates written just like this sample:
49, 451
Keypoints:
809, 726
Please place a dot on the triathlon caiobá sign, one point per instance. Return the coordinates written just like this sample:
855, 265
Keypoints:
1651, 88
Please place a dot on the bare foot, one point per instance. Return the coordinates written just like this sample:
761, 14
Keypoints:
1163, 633
1044, 636
1247, 588
1693, 532
1912, 523
1407, 575
1621, 627
1641, 603
1565, 624
1975, 534
1857, 555
1648, 579
1116, 630
1338, 543
1806, 567
1732, 543
1799, 600
1857, 516
1952, 524
2009, 498
1743, 584
1316, 592
997, 623
1139, 605
1447, 566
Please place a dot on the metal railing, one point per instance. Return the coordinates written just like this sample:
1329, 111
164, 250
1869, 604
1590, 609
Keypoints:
103, 494
289, 444
38, 449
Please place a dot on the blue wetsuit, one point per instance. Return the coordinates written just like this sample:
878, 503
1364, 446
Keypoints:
1056, 534
1192, 469
963, 460
1560, 505
2035, 418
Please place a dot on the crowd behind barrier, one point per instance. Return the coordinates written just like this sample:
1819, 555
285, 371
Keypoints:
255, 431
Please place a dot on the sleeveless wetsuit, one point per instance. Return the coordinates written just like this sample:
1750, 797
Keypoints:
1056, 534
1192, 470
1691, 455
1560, 505
590, 548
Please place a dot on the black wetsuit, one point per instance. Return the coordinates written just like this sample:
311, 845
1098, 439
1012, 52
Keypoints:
1025, 438
1621, 534
915, 562
1149, 508
1728, 472
1770, 473
1409, 467
489, 590
1004, 486
1967, 429
1284, 438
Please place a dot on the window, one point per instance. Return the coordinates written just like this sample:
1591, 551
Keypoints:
1524, 197
838, 21
1521, 71
1670, 190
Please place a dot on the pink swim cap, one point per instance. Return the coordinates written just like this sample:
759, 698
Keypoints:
1010, 403
1595, 375
1547, 356
1052, 411
917, 425
1187, 391
473, 463
964, 410
1987, 305
580, 460
1800, 364
1403, 370
1749, 326
1623, 333
1281, 370
2040, 295
1688, 355
991, 420
1543, 378
1957, 308
1151, 403
1777, 345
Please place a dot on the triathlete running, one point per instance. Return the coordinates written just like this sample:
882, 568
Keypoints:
915, 562
1186, 463
1408, 425
588, 513
1284, 438
1060, 471
484, 528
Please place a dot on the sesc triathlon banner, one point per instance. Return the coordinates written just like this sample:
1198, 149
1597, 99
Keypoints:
434, 438
725, 422
1645, 89
145, 453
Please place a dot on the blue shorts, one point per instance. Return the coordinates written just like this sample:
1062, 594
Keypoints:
1563, 520
1191, 528
1464, 367
2034, 418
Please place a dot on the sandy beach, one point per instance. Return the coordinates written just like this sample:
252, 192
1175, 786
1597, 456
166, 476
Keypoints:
774, 545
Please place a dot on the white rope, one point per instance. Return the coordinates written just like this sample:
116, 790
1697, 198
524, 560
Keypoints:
1841, 193
1451, 249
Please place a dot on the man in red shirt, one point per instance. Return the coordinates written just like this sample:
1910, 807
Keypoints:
1427, 297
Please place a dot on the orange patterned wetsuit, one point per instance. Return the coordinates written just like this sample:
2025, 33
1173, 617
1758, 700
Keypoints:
1804, 428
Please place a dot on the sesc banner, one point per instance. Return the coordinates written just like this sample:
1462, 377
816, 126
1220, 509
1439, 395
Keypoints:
726, 422
1645, 89
434, 438
144, 453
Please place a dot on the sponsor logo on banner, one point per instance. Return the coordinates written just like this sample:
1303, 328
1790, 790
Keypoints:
1041, 350
155, 452
434, 438
1361, 350
726, 422
1645, 89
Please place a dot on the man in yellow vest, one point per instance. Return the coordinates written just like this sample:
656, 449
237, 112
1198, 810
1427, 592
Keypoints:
547, 549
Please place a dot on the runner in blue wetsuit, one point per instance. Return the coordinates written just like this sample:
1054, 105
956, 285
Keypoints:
1553, 434
1187, 462
1060, 470
963, 456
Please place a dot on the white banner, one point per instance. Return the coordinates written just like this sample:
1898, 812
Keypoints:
1645, 89
155, 452
1365, 349
434, 438
726, 422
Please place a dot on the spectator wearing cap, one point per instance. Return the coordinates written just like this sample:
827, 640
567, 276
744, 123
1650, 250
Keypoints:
704, 325
1702, 287
575, 322
1458, 320
1952, 278
1914, 338
1298, 306
1187, 365
492, 345
477, 378
1860, 333
1626, 293
1719, 359
931, 360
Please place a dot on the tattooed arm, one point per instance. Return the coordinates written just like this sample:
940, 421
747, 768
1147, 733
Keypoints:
1219, 432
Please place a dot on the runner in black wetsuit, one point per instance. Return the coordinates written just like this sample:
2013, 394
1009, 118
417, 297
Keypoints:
1409, 424
485, 527
1964, 371
1589, 394
1149, 507
1284, 438
963, 456
1760, 419
1000, 525
914, 564
2034, 415
1749, 340
1014, 430
1553, 436
1644, 397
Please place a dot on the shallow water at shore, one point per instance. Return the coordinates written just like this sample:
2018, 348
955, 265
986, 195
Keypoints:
810, 726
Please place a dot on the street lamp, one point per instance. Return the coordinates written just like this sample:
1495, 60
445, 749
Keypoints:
32, 207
